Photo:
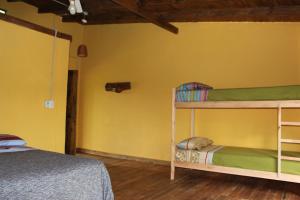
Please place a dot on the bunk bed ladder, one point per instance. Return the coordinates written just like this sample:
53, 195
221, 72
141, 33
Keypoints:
279, 137
192, 132
282, 140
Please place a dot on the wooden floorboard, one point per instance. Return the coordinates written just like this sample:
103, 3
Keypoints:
133, 180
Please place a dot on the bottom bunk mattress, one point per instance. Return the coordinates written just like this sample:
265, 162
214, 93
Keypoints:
239, 157
41, 175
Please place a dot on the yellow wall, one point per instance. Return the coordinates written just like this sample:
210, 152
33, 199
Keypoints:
30, 13
25, 68
137, 122
224, 55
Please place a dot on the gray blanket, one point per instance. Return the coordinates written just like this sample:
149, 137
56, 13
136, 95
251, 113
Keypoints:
41, 175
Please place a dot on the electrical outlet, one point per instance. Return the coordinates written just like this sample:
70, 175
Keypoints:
49, 104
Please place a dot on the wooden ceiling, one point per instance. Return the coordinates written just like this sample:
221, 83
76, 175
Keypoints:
160, 12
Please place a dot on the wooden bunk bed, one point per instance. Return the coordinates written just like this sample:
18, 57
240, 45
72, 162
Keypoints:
265, 104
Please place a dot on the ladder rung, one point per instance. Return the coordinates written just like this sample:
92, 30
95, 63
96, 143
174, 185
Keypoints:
290, 123
290, 141
290, 158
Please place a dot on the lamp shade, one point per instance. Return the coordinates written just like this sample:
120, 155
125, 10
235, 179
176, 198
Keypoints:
82, 51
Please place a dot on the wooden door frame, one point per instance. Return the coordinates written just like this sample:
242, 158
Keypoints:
77, 106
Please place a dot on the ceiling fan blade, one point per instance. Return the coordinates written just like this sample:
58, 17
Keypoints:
78, 6
61, 3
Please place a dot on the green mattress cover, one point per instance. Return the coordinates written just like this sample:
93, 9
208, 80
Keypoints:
255, 159
291, 92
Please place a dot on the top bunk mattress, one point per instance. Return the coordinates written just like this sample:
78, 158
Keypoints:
291, 92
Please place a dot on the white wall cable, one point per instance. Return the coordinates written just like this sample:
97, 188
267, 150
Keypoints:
51, 83
52, 70
49, 103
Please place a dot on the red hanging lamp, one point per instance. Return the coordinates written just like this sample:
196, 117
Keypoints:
82, 51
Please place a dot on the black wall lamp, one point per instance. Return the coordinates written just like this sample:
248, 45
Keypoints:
117, 87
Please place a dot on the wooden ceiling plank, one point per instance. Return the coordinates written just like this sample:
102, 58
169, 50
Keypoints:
133, 7
262, 14
57, 9
276, 14
163, 11
105, 18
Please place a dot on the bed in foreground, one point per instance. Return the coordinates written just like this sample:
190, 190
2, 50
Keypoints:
41, 175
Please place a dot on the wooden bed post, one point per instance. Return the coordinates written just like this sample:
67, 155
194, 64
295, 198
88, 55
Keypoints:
279, 143
192, 123
173, 134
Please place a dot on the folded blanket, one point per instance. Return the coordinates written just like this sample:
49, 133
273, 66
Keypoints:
204, 156
191, 95
192, 92
193, 86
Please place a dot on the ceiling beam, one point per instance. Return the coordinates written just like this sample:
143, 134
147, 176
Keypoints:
262, 14
133, 7
258, 14
57, 9
107, 18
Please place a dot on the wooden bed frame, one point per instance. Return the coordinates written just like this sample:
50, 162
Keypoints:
279, 105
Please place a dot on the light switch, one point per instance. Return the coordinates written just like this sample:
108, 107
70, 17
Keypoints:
49, 104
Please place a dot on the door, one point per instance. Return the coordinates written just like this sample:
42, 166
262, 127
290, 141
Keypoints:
71, 113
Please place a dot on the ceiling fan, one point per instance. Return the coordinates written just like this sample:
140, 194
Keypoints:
74, 8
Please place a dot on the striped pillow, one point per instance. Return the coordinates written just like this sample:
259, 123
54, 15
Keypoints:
11, 140
193, 86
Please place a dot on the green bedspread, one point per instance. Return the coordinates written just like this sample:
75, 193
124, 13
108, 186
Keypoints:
255, 94
255, 159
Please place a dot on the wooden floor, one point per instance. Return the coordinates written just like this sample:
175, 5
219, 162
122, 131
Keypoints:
132, 180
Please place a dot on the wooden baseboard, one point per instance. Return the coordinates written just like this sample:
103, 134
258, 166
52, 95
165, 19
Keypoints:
124, 157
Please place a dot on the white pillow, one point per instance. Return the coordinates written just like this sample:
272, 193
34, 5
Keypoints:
11, 140
194, 143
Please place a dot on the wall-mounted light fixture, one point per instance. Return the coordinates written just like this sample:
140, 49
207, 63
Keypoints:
2, 11
117, 87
